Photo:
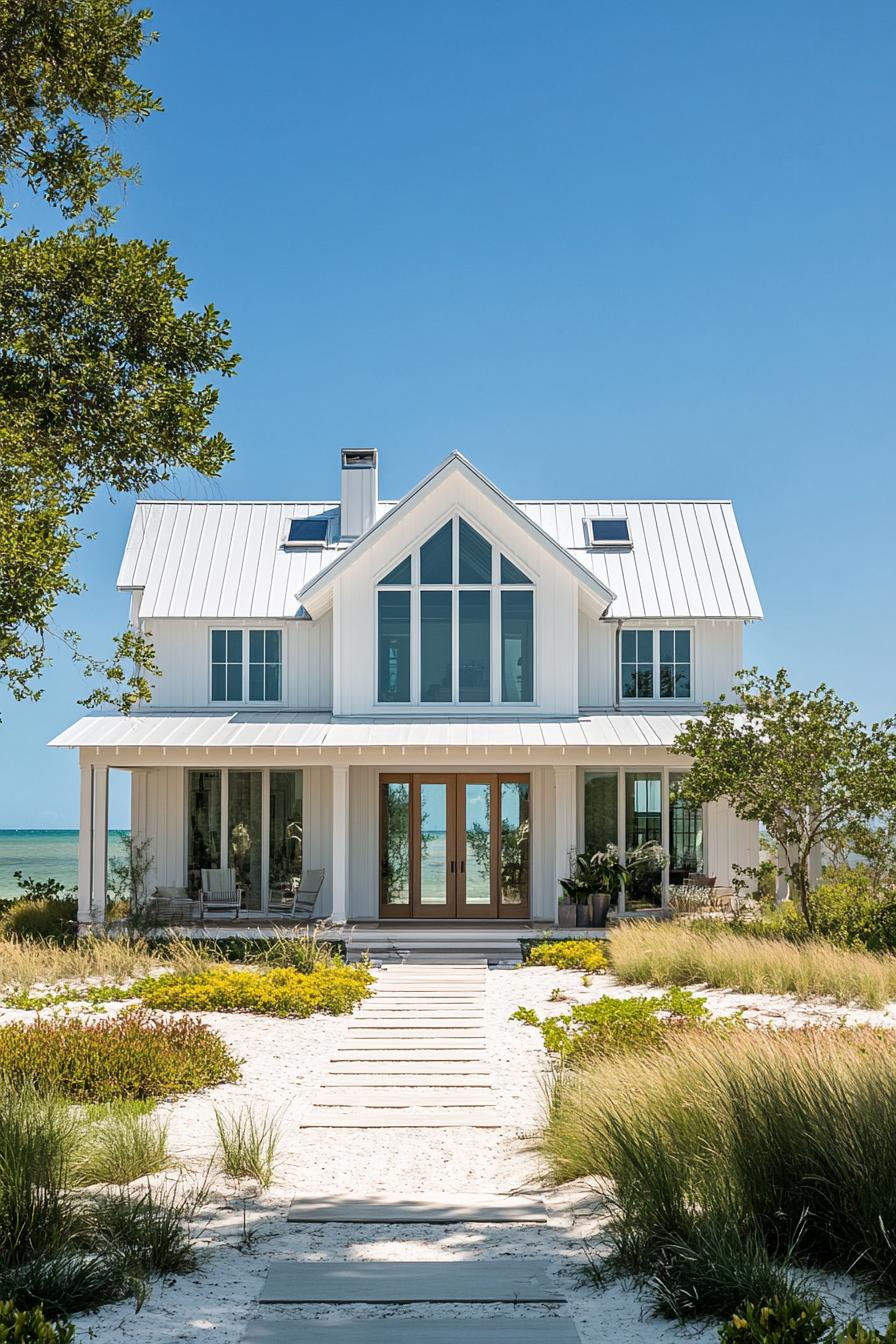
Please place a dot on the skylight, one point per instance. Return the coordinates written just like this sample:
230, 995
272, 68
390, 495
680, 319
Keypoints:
609, 531
308, 532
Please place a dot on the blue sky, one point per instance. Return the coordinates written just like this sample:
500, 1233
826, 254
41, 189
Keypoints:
604, 249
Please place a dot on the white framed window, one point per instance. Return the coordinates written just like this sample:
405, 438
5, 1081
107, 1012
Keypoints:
227, 665
246, 665
455, 624
655, 664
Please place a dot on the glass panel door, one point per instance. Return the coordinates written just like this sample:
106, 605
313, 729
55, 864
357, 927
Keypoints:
285, 831
477, 851
203, 824
514, 893
434, 845
244, 833
395, 846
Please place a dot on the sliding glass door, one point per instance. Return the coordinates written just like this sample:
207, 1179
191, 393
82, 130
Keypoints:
247, 820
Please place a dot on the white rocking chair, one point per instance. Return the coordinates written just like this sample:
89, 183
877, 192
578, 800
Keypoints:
298, 903
219, 892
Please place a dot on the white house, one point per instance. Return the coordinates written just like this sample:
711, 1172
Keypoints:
436, 700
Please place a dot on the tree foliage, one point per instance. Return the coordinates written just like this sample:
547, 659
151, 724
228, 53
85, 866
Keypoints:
799, 762
104, 369
63, 86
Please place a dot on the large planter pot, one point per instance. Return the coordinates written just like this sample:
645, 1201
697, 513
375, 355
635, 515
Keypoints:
600, 908
566, 915
583, 914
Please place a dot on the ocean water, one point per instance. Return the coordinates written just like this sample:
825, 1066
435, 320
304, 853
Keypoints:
42, 855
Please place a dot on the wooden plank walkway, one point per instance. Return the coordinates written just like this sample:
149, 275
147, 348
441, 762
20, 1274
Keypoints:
406, 1330
351, 1281
473, 1207
414, 1056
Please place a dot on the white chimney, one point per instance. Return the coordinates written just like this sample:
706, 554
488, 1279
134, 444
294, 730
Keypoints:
360, 493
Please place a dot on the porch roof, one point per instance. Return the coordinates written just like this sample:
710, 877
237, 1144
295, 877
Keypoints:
322, 732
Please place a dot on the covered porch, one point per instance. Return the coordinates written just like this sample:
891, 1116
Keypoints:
269, 794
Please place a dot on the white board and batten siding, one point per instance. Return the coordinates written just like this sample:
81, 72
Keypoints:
183, 653
716, 651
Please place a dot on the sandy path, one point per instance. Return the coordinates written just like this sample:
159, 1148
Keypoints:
285, 1062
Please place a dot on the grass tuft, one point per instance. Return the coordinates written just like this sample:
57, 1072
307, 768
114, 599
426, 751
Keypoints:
247, 1145
120, 1146
674, 954
736, 1157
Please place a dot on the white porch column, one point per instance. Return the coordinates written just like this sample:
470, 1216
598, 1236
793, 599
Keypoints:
85, 846
100, 843
782, 886
565, 815
340, 843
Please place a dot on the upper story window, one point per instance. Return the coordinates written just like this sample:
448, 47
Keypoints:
234, 677
456, 624
655, 664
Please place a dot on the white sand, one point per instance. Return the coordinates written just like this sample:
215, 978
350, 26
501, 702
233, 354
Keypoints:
284, 1060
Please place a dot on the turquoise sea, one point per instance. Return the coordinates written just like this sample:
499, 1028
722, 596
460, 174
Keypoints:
42, 855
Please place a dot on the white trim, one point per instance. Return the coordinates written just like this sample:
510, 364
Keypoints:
455, 463
246, 629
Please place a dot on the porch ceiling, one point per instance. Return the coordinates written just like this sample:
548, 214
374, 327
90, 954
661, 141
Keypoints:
321, 732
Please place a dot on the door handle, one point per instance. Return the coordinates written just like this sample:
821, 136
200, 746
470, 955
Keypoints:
452, 865
463, 866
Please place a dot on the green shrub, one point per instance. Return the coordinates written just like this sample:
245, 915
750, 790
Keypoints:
736, 1155
783, 1320
131, 1055
798, 1321
281, 991
31, 1327
49, 919
613, 1026
567, 954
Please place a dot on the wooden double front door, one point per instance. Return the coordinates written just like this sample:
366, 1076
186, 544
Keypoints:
454, 846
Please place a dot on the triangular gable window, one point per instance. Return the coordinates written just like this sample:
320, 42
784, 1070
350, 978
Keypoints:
510, 573
400, 576
475, 559
457, 636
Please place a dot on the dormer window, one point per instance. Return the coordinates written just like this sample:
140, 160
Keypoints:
308, 532
455, 624
609, 532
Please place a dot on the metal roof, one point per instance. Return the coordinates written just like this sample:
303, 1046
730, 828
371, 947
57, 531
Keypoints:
314, 732
220, 560
686, 557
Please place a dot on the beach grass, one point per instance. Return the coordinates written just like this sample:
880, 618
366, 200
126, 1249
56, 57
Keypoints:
676, 954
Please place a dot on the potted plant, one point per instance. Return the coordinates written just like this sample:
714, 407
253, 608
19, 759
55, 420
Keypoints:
645, 867
594, 880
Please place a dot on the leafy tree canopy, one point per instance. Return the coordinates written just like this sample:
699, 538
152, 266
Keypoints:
103, 367
63, 85
799, 762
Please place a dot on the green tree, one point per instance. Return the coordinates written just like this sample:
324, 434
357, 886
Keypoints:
798, 762
103, 368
